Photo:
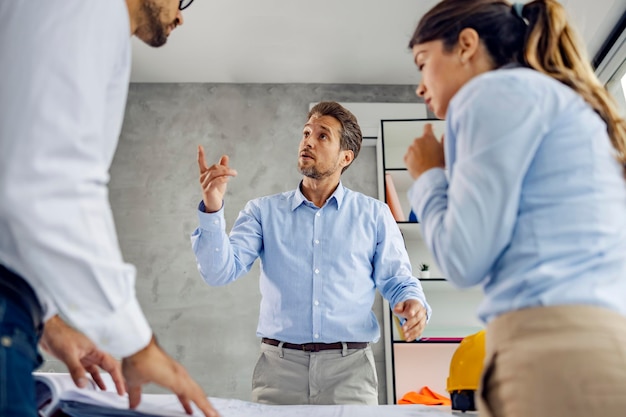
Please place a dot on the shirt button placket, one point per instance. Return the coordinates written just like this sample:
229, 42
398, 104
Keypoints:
317, 282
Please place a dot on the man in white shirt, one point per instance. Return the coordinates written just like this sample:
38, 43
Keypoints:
65, 68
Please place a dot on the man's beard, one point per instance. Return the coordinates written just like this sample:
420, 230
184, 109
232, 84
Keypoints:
315, 174
155, 30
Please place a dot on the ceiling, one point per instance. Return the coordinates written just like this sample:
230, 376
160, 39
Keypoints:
325, 41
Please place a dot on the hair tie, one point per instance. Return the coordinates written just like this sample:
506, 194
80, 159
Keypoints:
518, 9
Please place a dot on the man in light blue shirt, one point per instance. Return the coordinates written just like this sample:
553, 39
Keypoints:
325, 250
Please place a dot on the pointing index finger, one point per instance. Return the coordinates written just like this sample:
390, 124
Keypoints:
202, 160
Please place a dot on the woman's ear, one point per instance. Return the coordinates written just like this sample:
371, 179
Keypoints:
468, 44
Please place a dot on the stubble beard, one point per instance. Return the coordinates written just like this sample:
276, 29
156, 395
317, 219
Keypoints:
154, 34
315, 174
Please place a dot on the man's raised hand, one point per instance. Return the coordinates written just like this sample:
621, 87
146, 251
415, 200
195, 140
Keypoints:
213, 180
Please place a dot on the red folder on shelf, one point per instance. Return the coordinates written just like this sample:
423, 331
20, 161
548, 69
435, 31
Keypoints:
391, 196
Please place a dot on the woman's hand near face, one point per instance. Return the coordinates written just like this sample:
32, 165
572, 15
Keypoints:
425, 153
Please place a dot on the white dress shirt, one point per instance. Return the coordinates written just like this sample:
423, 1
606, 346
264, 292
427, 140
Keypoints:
64, 68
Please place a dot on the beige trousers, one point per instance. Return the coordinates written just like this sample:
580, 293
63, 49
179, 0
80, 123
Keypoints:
564, 361
288, 376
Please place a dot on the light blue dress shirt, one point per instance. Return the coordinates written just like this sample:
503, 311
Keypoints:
533, 207
320, 267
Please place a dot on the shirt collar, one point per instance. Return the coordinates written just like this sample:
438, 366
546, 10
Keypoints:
299, 198
511, 65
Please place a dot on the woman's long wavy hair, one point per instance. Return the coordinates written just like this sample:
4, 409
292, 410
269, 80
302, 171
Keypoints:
539, 37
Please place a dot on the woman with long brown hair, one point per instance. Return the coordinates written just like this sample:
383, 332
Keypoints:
533, 204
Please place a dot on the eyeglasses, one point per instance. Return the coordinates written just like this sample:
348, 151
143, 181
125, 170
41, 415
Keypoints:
184, 4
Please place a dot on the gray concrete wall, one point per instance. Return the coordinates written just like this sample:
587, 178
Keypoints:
154, 192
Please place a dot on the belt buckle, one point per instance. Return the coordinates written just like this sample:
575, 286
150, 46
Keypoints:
311, 347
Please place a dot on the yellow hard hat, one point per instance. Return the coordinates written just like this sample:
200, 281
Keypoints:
466, 367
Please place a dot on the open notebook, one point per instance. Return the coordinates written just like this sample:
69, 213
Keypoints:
58, 396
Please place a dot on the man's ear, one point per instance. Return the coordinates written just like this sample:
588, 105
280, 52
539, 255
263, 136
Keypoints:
468, 44
348, 157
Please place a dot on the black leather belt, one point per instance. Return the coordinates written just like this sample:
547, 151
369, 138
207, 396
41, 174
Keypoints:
20, 292
316, 347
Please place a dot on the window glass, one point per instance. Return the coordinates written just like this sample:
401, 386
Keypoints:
617, 88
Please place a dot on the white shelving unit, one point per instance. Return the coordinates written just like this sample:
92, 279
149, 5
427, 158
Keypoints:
412, 365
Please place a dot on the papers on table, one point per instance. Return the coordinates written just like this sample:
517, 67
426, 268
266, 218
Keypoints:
91, 402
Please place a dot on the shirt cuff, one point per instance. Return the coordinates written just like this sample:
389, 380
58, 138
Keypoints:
126, 331
47, 305
211, 222
423, 187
